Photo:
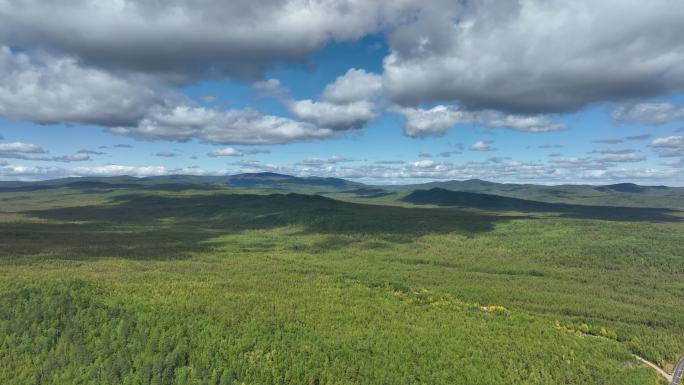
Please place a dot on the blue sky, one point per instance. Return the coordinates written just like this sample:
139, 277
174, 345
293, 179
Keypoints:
400, 93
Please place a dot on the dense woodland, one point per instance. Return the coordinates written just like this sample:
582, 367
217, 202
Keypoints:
215, 286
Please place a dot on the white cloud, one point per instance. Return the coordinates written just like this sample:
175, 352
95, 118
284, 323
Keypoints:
114, 169
652, 113
45, 89
497, 159
668, 142
182, 38
227, 151
447, 154
671, 153
482, 145
621, 158
338, 117
425, 164
436, 120
537, 56
16, 172
255, 151
526, 123
270, 87
572, 161
355, 85
322, 161
30, 151
19, 147
433, 121
184, 123
77, 157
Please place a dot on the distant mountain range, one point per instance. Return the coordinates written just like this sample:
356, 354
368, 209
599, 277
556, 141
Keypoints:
623, 194
265, 180
463, 199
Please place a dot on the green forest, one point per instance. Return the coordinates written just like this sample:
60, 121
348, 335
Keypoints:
168, 284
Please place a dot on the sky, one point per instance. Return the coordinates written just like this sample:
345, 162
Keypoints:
381, 92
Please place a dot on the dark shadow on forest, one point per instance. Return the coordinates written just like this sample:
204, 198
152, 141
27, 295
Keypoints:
141, 226
145, 226
462, 199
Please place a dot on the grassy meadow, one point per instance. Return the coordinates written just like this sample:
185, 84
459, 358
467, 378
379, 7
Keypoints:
215, 286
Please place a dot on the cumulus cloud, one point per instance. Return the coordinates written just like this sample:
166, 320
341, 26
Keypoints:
16, 172
499, 169
226, 151
271, 88
671, 153
674, 163
669, 146
433, 121
247, 126
77, 157
482, 145
19, 147
425, 164
497, 159
621, 158
114, 169
180, 39
91, 152
532, 56
255, 151
323, 161
165, 154
30, 151
18, 155
229, 151
20, 150
668, 142
334, 116
614, 152
604, 160
45, 89
447, 154
436, 120
651, 113
572, 161
537, 56
526, 123
353, 86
